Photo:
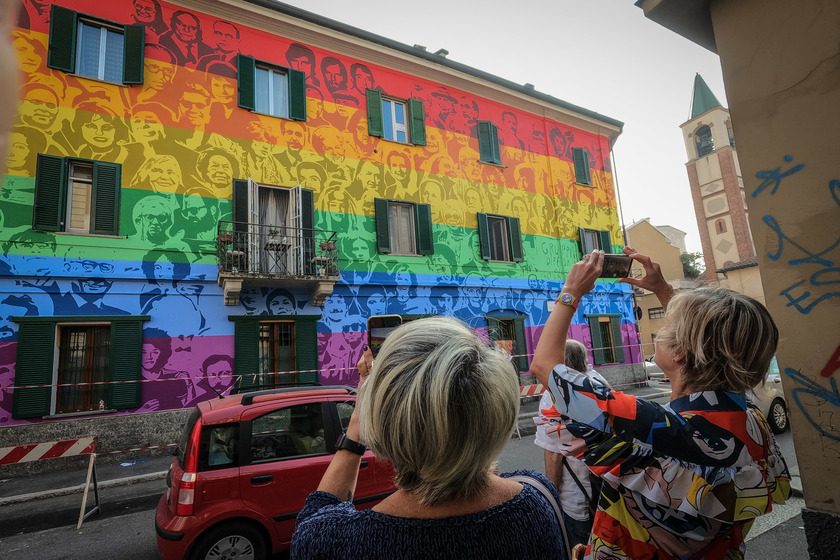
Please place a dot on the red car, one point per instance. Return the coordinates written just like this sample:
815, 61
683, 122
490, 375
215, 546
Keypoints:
244, 467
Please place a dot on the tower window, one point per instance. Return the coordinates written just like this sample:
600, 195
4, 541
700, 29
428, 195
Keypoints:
720, 226
704, 142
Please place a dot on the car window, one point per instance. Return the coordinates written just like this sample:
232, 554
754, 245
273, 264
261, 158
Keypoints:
345, 410
288, 432
222, 448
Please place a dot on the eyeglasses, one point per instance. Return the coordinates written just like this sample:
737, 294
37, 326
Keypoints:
228, 36
89, 266
167, 72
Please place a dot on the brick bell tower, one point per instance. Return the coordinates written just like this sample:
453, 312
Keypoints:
716, 185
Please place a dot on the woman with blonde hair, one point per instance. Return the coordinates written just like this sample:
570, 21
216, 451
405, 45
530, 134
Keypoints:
441, 406
684, 480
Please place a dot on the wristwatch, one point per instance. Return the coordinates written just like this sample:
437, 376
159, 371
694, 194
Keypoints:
350, 445
568, 299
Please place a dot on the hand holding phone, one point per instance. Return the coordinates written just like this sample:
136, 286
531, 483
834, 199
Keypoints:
616, 266
379, 327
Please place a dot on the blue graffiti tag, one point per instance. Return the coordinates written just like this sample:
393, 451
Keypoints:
822, 396
828, 275
774, 177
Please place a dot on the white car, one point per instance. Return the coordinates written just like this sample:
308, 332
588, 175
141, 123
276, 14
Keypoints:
768, 396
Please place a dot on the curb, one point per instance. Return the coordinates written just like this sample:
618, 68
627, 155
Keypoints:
70, 490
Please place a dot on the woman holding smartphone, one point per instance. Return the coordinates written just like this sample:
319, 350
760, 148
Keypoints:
440, 405
684, 480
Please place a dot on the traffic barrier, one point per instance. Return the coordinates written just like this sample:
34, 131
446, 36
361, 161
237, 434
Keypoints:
531, 390
59, 450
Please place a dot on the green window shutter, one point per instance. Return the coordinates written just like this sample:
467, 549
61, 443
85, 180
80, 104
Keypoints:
374, 113
50, 193
62, 42
135, 41
521, 345
105, 203
307, 220
383, 228
240, 205
126, 355
605, 241
492, 329
423, 220
618, 340
517, 253
246, 351
597, 341
418, 122
488, 142
582, 241
297, 95
34, 366
246, 77
483, 236
306, 348
581, 159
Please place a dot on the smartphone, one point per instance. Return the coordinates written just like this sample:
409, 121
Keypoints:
616, 266
379, 327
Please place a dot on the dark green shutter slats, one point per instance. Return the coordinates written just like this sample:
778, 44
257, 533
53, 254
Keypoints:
492, 330
374, 113
135, 40
605, 241
240, 205
483, 236
105, 201
488, 142
246, 352
383, 231
306, 349
618, 340
418, 122
246, 77
34, 366
126, 356
297, 95
50, 194
521, 347
423, 219
597, 341
307, 219
581, 160
62, 42
582, 241
515, 238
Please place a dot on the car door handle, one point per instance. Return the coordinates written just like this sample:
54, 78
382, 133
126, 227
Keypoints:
262, 479
363, 465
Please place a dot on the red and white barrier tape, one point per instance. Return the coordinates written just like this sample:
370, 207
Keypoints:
47, 450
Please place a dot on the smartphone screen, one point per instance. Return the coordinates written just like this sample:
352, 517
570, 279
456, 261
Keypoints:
616, 266
379, 327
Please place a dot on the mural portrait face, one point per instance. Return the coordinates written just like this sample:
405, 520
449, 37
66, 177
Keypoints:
360, 249
99, 132
335, 75
18, 151
158, 74
186, 27
29, 57
220, 170
152, 218
146, 126
42, 109
227, 36
222, 90
95, 286
219, 373
194, 108
163, 269
362, 77
375, 303
163, 174
295, 135
151, 355
145, 11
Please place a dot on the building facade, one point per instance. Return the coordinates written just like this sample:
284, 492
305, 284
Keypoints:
203, 194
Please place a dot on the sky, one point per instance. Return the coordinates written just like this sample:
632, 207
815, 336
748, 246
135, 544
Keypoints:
603, 55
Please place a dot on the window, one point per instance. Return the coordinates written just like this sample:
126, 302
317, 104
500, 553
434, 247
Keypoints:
720, 225
95, 48
656, 312
582, 172
288, 432
76, 196
270, 89
499, 238
89, 351
703, 141
403, 228
396, 119
488, 143
592, 239
269, 344
607, 342
507, 334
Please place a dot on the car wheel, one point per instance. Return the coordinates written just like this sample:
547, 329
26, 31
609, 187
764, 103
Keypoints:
231, 540
778, 418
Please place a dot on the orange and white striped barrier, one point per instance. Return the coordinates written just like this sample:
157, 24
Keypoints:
531, 390
47, 450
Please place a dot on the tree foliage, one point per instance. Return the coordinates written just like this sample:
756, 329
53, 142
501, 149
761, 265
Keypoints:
692, 264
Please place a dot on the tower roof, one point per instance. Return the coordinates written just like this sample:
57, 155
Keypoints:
702, 99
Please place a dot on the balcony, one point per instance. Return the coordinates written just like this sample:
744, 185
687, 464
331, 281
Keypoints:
263, 255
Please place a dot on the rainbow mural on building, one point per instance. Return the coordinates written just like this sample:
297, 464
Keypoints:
180, 140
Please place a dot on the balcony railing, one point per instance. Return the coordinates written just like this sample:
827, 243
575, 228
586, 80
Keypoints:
259, 250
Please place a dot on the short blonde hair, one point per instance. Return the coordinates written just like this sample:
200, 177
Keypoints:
728, 339
441, 405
